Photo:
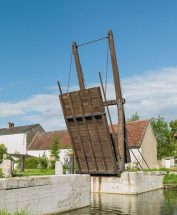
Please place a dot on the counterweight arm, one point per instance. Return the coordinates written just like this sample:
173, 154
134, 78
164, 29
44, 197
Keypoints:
120, 151
78, 66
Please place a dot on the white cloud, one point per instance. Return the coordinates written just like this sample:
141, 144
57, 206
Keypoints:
64, 89
150, 94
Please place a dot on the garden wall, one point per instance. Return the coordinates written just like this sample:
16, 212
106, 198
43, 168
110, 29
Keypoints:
129, 182
45, 194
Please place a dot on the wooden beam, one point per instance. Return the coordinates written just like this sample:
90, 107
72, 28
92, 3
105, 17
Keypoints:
78, 66
78, 133
88, 134
120, 101
112, 102
110, 143
114, 66
22, 163
96, 128
68, 127
71, 170
114, 137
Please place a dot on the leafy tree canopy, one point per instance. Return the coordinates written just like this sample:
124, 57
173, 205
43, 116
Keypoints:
173, 125
166, 146
134, 117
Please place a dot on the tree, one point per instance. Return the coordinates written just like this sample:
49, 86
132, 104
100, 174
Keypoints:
134, 117
3, 150
166, 146
56, 147
173, 125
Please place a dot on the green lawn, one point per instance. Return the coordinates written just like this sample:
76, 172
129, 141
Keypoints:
33, 172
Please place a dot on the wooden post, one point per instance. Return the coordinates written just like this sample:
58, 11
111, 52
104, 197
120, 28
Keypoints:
78, 66
120, 102
71, 170
22, 163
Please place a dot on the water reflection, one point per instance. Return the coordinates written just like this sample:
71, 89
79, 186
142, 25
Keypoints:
159, 202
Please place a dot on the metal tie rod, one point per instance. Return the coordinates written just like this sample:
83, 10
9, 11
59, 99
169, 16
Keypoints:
91, 41
137, 147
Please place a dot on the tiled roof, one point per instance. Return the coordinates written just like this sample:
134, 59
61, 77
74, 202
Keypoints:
16, 130
136, 130
44, 140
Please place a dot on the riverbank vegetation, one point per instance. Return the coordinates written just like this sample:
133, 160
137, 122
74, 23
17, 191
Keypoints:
5, 212
154, 169
170, 179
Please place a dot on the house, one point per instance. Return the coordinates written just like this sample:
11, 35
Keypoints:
142, 134
43, 141
18, 139
140, 131
168, 162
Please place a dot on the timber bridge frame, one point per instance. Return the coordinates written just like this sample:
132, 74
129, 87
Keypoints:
97, 152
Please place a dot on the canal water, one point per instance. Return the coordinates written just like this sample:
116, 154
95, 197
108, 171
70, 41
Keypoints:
158, 202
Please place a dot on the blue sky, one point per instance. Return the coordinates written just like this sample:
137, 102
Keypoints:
35, 50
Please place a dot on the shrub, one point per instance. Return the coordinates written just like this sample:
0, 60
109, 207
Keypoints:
3, 150
43, 161
31, 163
52, 166
170, 179
18, 163
8, 157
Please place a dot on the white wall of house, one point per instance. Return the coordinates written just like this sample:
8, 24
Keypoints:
14, 142
137, 154
38, 153
63, 154
133, 159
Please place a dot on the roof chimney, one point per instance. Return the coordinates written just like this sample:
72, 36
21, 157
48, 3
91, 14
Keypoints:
10, 125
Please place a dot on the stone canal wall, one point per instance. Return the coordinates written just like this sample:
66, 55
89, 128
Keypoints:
129, 182
45, 194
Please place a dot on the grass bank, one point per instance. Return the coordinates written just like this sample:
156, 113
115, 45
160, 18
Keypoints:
33, 172
5, 212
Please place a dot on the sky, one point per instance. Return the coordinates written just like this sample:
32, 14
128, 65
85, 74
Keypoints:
35, 53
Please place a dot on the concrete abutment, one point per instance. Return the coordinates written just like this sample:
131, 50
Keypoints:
45, 194
129, 182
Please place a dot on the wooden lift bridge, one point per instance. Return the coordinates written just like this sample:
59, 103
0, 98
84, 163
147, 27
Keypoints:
97, 151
